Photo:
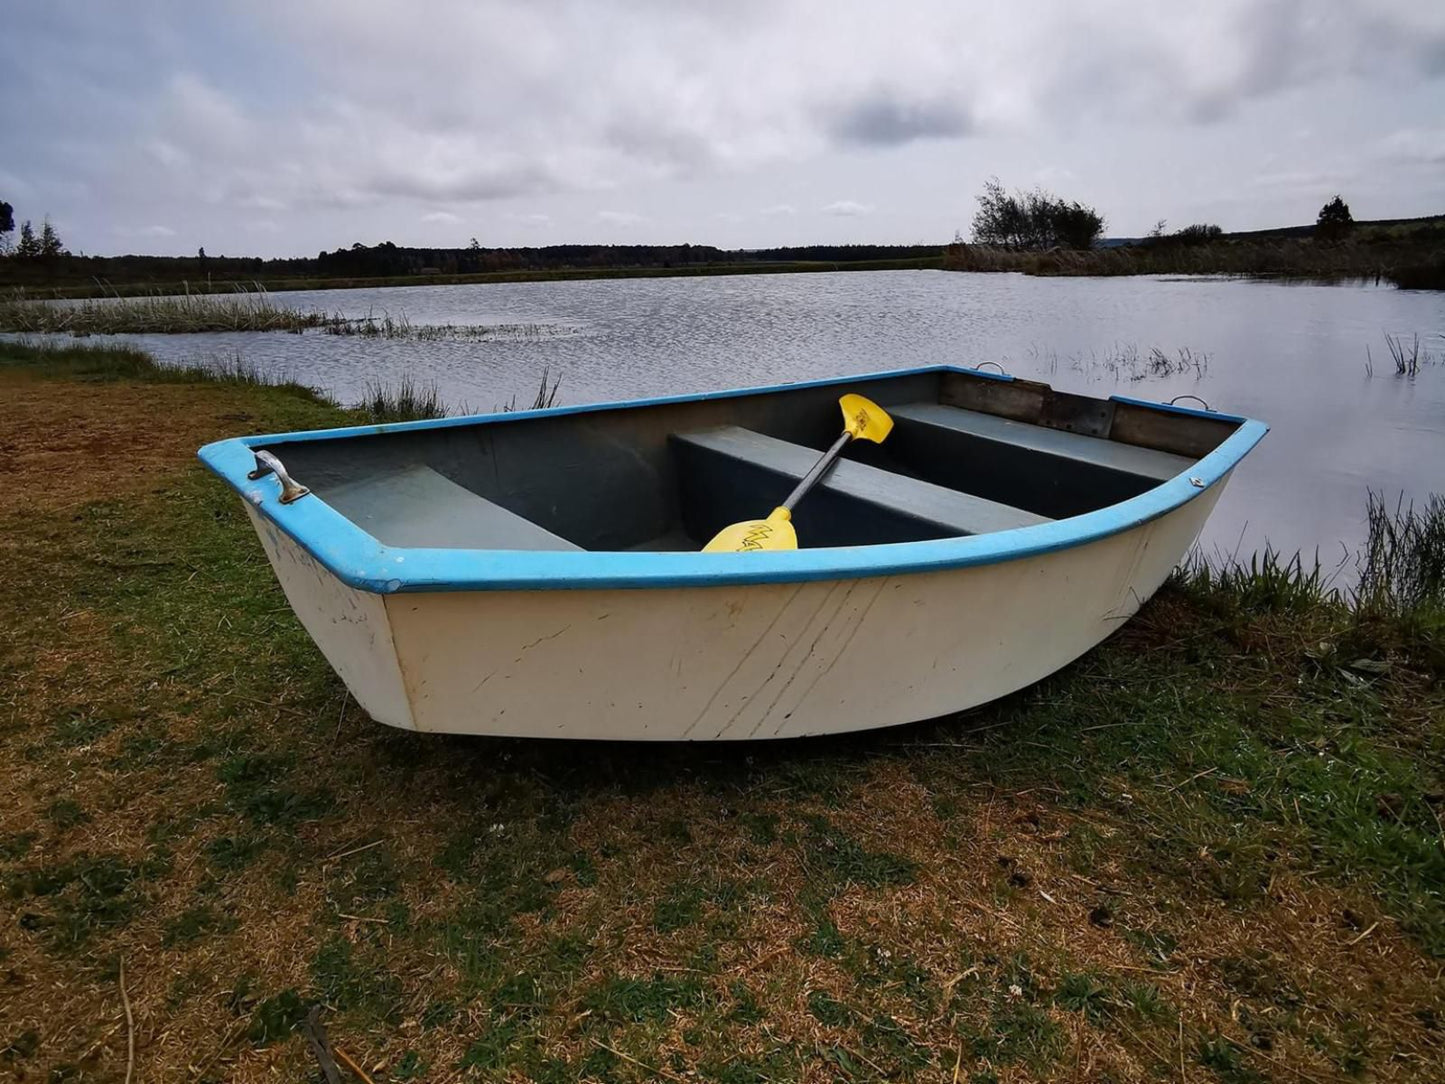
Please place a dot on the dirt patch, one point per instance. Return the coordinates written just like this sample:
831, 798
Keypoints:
65, 443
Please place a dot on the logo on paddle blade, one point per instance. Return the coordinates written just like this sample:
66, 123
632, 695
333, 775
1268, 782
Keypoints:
759, 533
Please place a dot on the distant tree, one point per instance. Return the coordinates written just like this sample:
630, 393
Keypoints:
1000, 217
1198, 234
1075, 226
7, 217
1200, 231
29, 247
50, 245
475, 245
1335, 220
1034, 220
201, 253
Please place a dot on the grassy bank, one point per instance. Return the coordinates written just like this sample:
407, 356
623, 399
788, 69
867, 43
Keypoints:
218, 285
407, 399
1210, 850
1413, 259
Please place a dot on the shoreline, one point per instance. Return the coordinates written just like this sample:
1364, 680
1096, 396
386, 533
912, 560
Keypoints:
288, 285
1408, 254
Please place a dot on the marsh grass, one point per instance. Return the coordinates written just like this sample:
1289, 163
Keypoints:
546, 396
1264, 582
1372, 254
241, 310
1408, 357
1128, 361
246, 309
1402, 568
229, 368
1400, 571
387, 326
1214, 839
407, 400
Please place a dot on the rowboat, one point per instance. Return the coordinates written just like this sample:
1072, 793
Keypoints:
541, 573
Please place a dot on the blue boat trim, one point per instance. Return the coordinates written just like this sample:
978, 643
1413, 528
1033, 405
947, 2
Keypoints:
1175, 408
359, 560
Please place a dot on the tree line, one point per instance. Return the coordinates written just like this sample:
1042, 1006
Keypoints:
30, 247
390, 260
1038, 221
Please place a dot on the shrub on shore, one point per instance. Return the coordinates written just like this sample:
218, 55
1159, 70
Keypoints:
1398, 262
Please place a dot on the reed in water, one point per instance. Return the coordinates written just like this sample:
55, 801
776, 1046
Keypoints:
243, 310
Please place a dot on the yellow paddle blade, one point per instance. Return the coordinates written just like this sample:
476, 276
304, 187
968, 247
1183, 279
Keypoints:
865, 419
774, 533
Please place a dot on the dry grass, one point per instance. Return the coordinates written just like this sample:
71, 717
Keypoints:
1126, 870
387, 326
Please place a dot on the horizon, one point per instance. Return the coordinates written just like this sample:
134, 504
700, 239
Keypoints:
283, 131
444, 247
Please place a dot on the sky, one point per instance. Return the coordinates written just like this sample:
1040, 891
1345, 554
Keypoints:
284, 128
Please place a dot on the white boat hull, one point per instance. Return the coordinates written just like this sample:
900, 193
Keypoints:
771, 660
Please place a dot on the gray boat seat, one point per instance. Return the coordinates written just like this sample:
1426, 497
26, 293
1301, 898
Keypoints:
1126, 458
925, 510
1049, 471
416, 506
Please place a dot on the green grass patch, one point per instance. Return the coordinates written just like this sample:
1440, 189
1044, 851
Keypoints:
836, 860
227, 854
1085, 993
1019, 1033
15, 845
65, 813
827, 1010
83, 895
259, 786
633, 1000
352, 978
276, 1017
193, 924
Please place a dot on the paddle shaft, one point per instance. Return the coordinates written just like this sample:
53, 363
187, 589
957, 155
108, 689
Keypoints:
820, 468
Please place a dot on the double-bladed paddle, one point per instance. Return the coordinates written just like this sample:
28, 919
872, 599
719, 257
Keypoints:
862, 420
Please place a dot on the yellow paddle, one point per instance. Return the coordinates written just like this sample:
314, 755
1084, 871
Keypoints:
862, 420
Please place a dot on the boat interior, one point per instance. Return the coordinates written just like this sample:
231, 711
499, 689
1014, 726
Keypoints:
969, 454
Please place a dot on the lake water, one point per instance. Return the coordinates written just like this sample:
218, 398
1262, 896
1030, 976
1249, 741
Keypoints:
1292, 355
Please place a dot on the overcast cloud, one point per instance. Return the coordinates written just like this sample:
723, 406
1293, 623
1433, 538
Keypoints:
285, 128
